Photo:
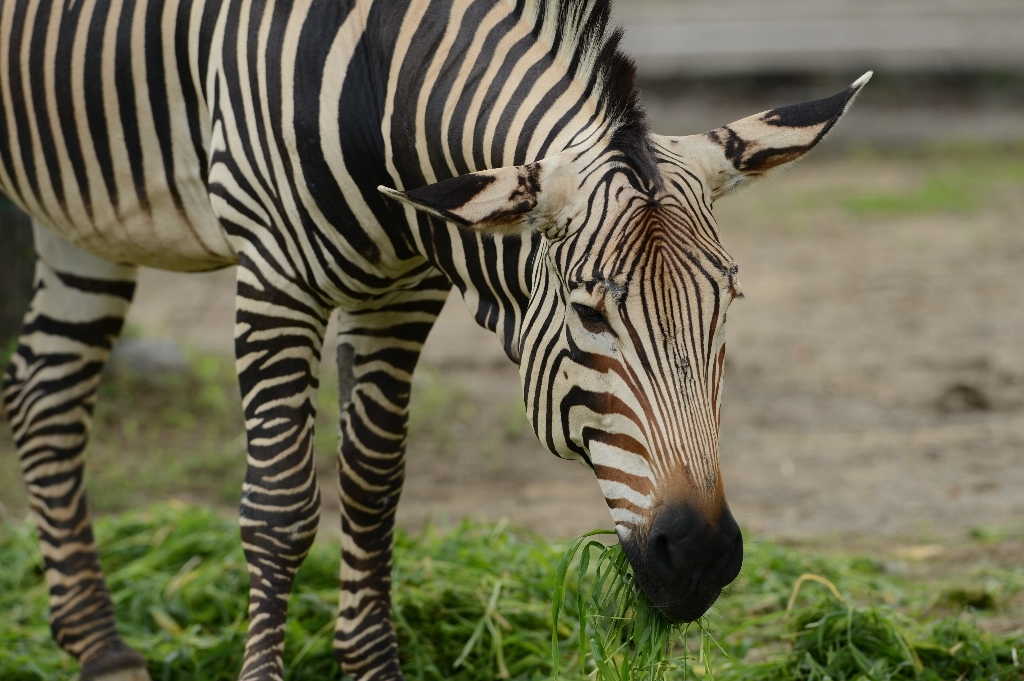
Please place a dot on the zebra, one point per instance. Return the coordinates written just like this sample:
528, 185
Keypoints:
365, 157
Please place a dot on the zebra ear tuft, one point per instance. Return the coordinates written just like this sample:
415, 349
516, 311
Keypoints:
739, 152
496, 201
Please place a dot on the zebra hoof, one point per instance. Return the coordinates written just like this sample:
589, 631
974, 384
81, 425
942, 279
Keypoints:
117, 663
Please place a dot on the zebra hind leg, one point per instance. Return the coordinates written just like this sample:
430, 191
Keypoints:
377, 353
49, 390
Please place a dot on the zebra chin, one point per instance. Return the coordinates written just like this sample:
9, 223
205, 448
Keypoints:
686, 559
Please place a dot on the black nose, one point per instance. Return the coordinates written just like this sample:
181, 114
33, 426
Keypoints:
688, 559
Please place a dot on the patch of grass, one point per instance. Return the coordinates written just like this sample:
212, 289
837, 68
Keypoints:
155, 436
835, 637
947, 192
475, 603
515, 422
438, 408
989, 589
959, 181
7, 349
885, 186
872, 626
471, 603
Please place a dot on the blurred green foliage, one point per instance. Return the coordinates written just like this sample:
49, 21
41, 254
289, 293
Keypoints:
958, 181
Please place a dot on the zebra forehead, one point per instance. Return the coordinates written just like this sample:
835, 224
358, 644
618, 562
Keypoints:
657, 238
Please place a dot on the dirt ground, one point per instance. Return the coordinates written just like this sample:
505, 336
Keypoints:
875, 372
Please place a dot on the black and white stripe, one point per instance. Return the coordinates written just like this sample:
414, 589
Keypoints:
192, 135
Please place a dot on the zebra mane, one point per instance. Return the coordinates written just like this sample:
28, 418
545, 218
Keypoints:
578, 32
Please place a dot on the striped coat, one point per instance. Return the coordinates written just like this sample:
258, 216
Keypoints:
366, 156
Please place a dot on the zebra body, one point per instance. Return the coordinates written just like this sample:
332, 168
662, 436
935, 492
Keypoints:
192, 135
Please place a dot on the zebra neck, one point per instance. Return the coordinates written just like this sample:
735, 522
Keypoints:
473, 85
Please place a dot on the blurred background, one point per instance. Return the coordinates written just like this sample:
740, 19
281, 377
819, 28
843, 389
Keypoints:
875, 374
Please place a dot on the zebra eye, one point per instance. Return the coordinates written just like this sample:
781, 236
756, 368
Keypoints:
592, 318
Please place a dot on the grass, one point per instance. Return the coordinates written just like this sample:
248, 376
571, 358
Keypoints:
961, 183
476, 603
471, 603
942, 191
187, 425
439, 409
947, 178
832, 637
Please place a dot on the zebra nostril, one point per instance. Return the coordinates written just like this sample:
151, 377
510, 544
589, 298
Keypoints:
669, 543
659, 557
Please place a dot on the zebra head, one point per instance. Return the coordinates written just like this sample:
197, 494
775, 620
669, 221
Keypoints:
623, 344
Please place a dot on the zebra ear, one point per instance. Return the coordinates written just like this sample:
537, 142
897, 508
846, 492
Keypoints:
496, 201
735, 154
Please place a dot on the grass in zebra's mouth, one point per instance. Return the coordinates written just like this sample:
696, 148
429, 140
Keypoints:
618, 629
474, 603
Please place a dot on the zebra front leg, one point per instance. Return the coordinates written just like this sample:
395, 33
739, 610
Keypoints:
278, 336
377, 353
49, 390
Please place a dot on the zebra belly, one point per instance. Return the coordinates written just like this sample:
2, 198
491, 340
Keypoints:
165, 239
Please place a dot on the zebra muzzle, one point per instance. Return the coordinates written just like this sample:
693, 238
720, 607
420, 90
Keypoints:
688, 559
